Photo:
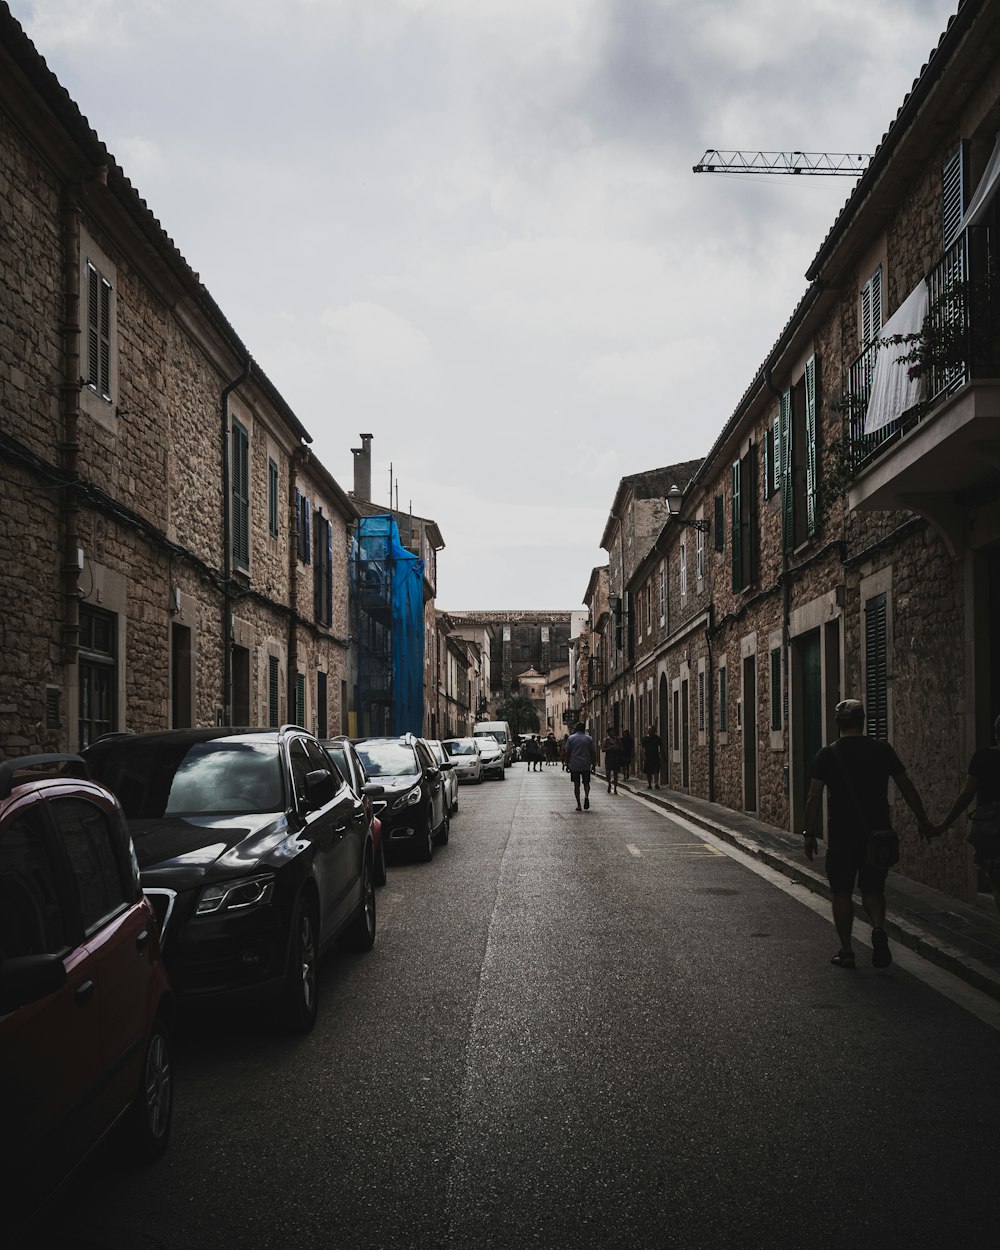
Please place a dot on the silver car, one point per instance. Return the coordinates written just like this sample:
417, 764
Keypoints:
464, 753
493, 756
450, 779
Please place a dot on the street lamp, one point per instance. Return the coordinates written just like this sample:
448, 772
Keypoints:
675, 499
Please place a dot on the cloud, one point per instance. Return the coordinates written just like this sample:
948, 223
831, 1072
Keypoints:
375, 341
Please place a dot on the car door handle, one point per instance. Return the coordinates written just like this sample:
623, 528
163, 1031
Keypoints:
340, 830
142, 941
84, 993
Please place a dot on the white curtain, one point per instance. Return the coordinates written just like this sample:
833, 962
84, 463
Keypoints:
984, 193
893, 390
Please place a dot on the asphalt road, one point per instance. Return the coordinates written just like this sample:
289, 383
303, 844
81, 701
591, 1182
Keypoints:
575, 1029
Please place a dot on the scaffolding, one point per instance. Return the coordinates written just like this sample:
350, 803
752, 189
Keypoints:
387, 591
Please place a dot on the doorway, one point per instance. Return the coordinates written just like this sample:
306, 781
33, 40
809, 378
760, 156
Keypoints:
749, 725
808, 670
685, 737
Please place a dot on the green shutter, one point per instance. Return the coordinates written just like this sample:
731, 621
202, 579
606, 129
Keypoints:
272, 498
877, 667
774, 481
300, 699
241, 496
776, 688
720, 523
273, 710
811, 464
737, 531
787, 492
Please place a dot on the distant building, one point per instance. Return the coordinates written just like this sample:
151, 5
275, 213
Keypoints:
521, 644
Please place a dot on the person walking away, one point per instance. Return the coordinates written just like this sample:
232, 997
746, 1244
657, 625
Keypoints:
856, 770
582, 758
551, 748
652, 756
628, 747
562, 753
983, 785
612, 748
536, 754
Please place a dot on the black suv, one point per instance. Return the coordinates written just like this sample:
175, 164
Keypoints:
255, 852
406, 786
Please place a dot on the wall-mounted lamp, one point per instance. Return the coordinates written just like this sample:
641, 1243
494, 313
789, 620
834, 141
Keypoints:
675, 499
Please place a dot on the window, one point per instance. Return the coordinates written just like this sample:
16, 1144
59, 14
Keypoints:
744, 521
323, 570
300, 700
663, 590
321, 706
699, 555
99, 319
772, 459
684, 569
241, 496
871, 308
799, 460
719, 528
97, 674
776, 701
303, 546
273, 710
32, 920
877, 667
272, 498
89, 842
723, 700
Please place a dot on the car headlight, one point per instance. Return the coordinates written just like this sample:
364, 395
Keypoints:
238, 895
408, 799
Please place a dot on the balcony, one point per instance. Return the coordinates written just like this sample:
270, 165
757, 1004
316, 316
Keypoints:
941, 454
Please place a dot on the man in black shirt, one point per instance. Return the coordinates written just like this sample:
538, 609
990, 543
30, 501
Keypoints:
857, 769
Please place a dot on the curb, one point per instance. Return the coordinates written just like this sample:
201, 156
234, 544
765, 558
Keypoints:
905, 932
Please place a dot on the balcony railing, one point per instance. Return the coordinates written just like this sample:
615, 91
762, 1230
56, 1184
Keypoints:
956, 344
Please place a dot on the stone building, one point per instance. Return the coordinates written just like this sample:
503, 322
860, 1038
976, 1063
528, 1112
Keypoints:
842, 536
171, 552
520, 643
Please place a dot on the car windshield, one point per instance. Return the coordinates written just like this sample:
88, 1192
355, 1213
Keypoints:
497, 735
437, 750
461, 746
388, 759
191, 778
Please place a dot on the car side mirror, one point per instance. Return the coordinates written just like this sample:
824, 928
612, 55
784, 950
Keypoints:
372, 789
447, 764
28, 979
321, 786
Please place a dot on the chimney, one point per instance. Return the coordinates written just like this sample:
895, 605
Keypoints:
363, 469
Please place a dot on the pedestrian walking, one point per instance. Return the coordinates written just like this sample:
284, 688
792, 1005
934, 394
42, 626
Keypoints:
652, 756
982, 784
533, 754
861, 846
612, 748
628, 748
551, 748
582, 759
563, 753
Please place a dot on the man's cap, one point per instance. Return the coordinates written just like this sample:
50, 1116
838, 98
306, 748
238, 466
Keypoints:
848, 710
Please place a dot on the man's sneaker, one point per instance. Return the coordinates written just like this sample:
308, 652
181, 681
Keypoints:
586, 801
881, 954
843, 959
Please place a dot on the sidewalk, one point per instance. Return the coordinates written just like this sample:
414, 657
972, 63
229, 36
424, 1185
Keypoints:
960, 937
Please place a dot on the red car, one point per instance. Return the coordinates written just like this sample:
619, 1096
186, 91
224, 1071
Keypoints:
85, 1003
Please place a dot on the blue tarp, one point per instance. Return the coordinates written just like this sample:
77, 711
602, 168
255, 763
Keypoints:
387, 587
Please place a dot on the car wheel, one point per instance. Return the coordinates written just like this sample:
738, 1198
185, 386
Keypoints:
300, 999
380, 872
426, 847
444, 831
148, 1129
479, 779
361, 934
503, 774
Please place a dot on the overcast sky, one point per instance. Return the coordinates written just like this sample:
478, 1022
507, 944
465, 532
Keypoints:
471, 228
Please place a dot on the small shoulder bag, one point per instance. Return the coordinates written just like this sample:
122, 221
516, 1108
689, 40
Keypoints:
882, 845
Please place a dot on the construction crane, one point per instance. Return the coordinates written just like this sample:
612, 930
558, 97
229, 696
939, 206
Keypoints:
844, 164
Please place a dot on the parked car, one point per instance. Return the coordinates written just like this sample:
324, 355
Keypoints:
464, 754
85, 1003
256, 853
341, 750
493, 756
412, 805
500, 730
449, 770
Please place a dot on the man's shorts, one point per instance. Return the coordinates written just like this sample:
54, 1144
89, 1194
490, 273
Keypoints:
845, 866
583, 775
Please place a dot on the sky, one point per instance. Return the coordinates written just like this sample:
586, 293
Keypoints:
471, 227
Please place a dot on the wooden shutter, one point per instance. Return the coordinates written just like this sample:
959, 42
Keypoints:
776, 688
737, 535
241, 496
306, 543
877, 667
774, 481
300, 699
871, 308
328, 592
720, 522
787, 490
272, 498
952, 196
272, 691
811, 462
322, 719
104, 332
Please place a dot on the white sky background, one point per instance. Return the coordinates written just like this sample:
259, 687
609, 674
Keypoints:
470, 227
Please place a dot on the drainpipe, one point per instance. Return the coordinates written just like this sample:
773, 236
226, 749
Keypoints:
69, 402
227, 547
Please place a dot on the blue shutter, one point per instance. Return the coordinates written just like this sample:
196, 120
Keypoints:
787, 493
811, 464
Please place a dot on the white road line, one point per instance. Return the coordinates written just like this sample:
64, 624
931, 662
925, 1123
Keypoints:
633, 850
953, 988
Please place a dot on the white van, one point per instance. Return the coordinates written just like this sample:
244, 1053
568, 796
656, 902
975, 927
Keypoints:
500, 730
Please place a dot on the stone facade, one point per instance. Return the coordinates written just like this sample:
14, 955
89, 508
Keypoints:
519, 641
153, 574
819, 553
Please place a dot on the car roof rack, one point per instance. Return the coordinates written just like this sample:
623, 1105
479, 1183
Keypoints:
40, 768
